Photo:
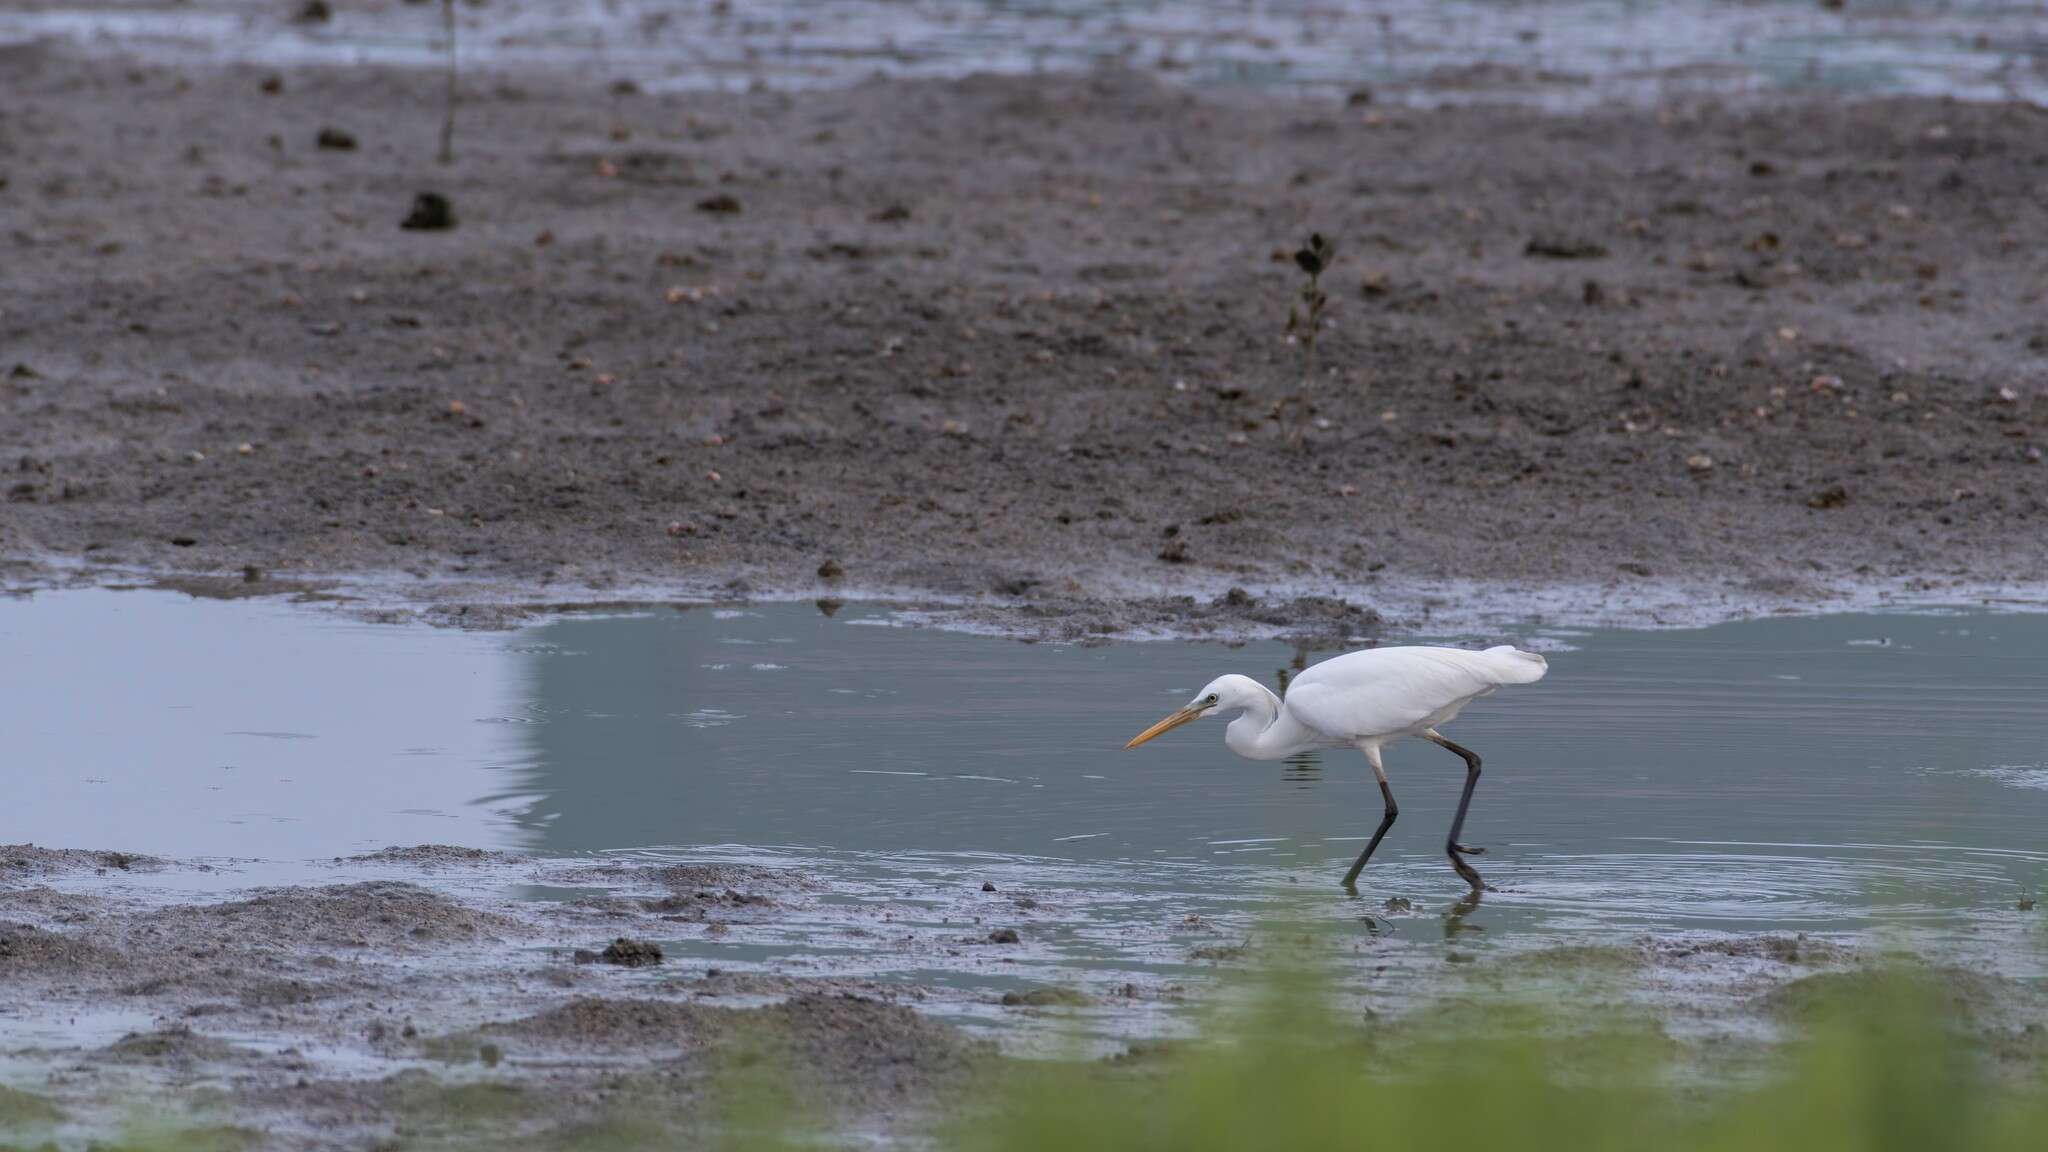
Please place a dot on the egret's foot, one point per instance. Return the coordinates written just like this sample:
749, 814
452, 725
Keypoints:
1468, 873
1468, 850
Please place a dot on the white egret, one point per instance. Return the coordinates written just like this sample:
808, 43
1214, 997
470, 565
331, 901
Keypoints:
1365, 700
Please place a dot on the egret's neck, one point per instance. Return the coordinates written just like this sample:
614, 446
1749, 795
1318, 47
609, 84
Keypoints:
1257, 733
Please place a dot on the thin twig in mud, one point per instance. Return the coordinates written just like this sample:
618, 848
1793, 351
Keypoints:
448, 114
1305, 319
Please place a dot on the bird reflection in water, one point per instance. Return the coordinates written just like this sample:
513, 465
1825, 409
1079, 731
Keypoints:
1301, 770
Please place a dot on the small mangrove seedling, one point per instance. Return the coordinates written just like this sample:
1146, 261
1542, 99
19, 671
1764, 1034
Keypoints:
1305, 316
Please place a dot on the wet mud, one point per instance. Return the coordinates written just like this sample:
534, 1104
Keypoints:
1017, 343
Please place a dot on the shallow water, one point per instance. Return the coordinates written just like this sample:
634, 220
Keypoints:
1558, 52
1818, 774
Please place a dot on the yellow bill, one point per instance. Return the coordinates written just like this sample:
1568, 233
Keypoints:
1179, 718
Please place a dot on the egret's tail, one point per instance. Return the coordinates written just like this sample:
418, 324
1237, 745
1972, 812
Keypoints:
1515, 666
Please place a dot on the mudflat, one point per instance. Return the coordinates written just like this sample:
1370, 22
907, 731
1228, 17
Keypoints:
1021, 337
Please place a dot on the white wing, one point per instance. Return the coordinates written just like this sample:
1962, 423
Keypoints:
1390, 691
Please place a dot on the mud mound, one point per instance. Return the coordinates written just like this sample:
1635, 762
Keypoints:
178, 1046
1959, 996
379, 914
870, 1051
591, 1023
429, 856
45, 904
1777, 948
720, 878
29, 951
834, 1034
27, 860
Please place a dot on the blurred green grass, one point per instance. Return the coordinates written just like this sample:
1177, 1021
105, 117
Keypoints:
1885, 1069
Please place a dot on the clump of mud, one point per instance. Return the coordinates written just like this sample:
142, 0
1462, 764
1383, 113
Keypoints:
631, 953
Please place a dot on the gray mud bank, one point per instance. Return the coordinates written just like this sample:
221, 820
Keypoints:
1016, 339
418, 996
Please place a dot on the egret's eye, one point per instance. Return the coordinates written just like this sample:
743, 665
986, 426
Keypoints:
1211, 699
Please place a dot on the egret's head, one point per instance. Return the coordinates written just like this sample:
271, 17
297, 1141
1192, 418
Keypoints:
1230, 693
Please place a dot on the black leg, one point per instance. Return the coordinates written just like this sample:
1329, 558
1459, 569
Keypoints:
1386, 822
1452, 848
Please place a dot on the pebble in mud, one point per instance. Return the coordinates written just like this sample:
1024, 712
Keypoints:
628, 953
1004, 936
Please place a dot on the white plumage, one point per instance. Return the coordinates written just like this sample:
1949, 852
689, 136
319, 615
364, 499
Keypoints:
1365, 700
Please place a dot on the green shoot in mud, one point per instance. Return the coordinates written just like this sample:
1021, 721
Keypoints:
1305, 317
448, 106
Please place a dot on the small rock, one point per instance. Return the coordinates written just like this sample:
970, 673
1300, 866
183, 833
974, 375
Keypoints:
1700, 462
490, 1054
1399, 904
584, 956
988, 886
245, 449
272, 84
183, 541
24, 372
431, 212
336, 140
1004, 936
1176, 551
1593, 294
1832, 496
314, 12
631, 953
457, 408
893, 214
830, 570
251, 574
724, 204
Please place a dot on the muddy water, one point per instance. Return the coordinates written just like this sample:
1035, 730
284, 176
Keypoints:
1560, 52
1830, 775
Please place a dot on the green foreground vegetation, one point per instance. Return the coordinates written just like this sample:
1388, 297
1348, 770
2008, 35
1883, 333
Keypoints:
1881, 1070
1883, 1059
